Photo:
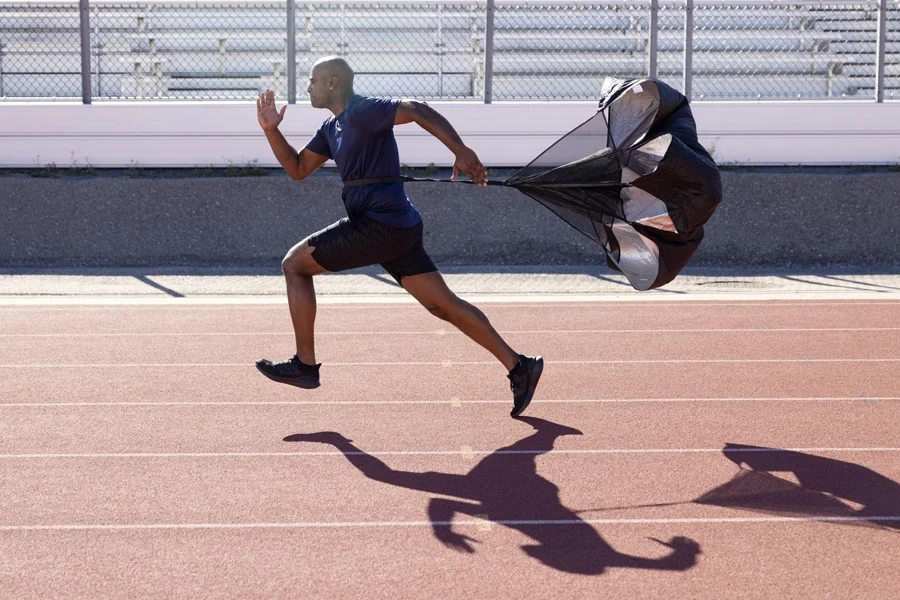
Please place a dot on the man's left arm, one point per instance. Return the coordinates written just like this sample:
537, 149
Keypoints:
415, 111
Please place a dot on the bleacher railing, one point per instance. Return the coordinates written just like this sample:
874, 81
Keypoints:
482, 50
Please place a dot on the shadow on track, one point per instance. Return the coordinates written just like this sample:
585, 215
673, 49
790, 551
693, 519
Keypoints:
505, 488
792, 484
818, 487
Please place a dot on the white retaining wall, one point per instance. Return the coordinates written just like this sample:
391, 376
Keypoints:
149, 134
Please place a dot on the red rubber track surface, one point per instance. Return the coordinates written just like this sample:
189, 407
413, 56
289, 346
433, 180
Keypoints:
142, 455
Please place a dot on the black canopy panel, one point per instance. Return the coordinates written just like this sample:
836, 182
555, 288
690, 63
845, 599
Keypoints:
633, 178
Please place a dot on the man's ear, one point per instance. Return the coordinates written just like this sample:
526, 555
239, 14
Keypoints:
332, 82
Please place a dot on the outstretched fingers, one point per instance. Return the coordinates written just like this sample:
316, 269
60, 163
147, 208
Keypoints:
458, 542
265, 99
267, 113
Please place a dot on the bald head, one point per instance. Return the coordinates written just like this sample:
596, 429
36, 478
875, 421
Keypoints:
330, 82
337, 68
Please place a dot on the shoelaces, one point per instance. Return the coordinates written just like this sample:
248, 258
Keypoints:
288, 367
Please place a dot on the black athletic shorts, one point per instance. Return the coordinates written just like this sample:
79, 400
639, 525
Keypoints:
360, 241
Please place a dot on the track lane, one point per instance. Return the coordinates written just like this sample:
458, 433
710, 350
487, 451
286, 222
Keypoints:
411, 317
130, 429
436, 347
759, 560
398, 488
443, 383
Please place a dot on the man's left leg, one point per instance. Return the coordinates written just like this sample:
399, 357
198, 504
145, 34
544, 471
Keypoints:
432, 292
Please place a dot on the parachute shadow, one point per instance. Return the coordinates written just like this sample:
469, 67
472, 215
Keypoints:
824, 488
793, 484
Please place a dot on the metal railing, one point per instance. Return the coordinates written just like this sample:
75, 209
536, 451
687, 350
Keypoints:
452, 49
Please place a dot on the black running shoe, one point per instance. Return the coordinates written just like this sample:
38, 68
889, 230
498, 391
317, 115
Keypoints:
292, 372
523, 380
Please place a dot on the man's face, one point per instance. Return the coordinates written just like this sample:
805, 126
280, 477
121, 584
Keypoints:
318, 89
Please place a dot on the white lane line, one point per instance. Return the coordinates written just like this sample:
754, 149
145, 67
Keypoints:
459, 523
457, 401
106, 304
450, 332
463, 363
461, 452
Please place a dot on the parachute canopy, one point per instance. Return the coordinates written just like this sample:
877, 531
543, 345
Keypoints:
633, 178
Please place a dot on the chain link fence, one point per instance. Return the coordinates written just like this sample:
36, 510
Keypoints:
40, 50
438, 49
892, 52
782, 50
419, 49
671, 44
565, 51
188, 51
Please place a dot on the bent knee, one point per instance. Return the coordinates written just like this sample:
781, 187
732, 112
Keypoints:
440, 312
299, 261
444, 308
289, 265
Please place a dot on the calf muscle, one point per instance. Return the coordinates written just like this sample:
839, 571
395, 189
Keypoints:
431, 291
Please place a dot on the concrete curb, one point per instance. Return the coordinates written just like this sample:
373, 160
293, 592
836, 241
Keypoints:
774, 219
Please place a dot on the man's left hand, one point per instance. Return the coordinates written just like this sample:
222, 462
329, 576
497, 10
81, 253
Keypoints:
467, 162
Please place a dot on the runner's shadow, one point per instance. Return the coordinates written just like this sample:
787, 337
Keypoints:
786, 482
506, 489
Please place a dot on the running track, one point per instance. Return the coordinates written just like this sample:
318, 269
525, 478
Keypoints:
143, 456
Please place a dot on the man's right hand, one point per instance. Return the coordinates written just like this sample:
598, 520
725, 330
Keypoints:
269, 118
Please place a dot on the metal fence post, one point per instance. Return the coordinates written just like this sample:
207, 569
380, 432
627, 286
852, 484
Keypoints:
654, 38
291, 53
489, 53
879, 53
98, 54
688, 47
440, 50
85, 30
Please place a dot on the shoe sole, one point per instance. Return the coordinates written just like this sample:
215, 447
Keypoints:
307, 385
533, 378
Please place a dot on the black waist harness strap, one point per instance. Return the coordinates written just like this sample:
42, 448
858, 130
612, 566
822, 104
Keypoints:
397, 178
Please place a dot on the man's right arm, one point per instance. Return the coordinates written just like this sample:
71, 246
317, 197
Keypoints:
297, 164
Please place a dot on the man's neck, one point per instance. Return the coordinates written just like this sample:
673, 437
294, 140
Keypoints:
340, 106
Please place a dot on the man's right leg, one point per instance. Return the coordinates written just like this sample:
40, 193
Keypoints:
300, 370
299, 267
343, 245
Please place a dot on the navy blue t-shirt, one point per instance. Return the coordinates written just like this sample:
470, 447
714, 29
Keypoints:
361, 142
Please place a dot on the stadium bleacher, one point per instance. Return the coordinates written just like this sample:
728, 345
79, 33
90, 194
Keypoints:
231, 51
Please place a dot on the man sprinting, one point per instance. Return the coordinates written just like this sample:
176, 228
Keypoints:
382, 226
